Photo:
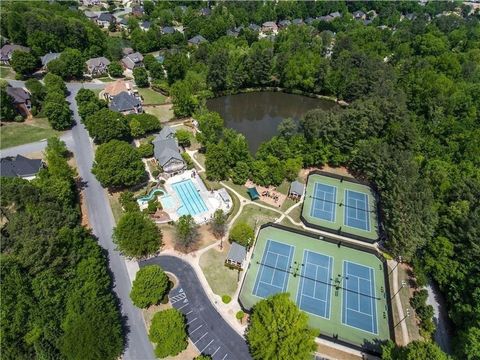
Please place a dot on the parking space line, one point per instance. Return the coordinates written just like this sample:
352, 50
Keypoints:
196, 329
215, 351
201, 338
189, 312
224, 356
181, 307
206, 346
191, 321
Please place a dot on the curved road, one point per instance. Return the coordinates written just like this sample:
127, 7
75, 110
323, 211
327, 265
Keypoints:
206, 328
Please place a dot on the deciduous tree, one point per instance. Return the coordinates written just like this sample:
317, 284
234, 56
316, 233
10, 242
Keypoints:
149, 287
168, 332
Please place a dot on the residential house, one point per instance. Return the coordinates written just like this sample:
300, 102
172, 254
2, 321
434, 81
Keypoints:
90, 2
205, 12
284, 23
145, 25
125, 103
232, 32
127, 51
297, 22
132, 61
97, 66
326, 18
123, 23
114, 88
359, 15
309, 20
21, 99
197, 40
269, 27
409, 16
167, 152
335, 15
91, 15
138, 11
7, 50
236, 256
254, 27
20, 166
45, 59
105, 19
166, 30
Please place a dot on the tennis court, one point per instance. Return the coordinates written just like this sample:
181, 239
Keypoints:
315, 285
341, 205
324, 201
356, 210
272, 277
359, 299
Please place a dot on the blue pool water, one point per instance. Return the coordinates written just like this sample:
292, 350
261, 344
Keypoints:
167, 202
192, 202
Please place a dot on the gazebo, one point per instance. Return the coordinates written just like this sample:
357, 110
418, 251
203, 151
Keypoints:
296, 190
236, 256
254, 195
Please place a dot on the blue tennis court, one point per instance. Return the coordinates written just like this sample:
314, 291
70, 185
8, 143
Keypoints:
359, 301
192, 202
356, 210
314, 292
324, 200
273, 273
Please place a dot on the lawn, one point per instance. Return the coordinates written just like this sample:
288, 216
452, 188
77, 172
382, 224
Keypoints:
221, 279
255, 216
240, 189
97, 91
151, 97
114, 200
235, 207
164, 113
194, 144
6, 72
14, 134
106, 79
200, 158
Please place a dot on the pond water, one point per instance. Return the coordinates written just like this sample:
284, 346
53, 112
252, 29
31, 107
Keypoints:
257, 115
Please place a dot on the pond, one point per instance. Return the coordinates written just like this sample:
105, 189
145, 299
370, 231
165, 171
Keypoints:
257, 115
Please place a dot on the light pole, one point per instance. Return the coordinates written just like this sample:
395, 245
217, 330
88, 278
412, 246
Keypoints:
399, 261
407, 315
404, 283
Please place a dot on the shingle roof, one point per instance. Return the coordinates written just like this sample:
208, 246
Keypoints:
8, 49
297, 21
124, 102
297, 188
168, 30
132, 59
98, 61
197, 39
237, 253
49, 57
19, 95
166, 133
19, 166
254, 27
107, 17
285, 22
166, 149
145, 25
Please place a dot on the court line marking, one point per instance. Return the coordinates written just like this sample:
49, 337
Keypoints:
367, 217
315, 201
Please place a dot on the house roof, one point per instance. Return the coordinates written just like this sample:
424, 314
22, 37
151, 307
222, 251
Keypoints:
19, 95
335, 14
223, 193
197, 39
98, 61
254, 27
145, 24
45, 59
358, 13
7, 49
166, 149
166, 133
237, 253
168, 30
285, 22
127, 50
124, 102
269, 24
116, 87
90, 14
297, 21
205, 11
132, 59
19, 166
232, 33
107, 17
297, 188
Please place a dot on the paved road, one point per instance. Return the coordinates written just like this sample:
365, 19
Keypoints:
206, 328
443, 332
138, 347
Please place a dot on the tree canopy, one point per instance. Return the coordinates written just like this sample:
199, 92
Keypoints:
149, 287
168, 332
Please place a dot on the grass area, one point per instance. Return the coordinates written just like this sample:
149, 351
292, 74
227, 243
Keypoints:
211, 185
114, 200
106, 79
194, 144
288, 223
151, 97
14, 134
287, 204
412, 327
283, 187
163, 113
97, 91
295, 213
6, 72
255, 215
235, 207
222, 280
241, 189
200, 158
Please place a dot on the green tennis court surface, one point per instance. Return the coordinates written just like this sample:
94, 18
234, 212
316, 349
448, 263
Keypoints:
342, 289
340, 205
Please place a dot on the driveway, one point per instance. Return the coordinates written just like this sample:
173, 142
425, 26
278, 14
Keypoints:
138, 346
206, 328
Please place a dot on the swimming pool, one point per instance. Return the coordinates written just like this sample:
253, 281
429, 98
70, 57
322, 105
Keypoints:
192, 202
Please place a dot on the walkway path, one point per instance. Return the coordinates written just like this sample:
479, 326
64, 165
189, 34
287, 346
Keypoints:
398, 302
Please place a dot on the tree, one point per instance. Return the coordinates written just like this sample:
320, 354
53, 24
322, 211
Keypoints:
217, 70
118, 164
37, 90
241, 233
136, 235
168, 332
240, 173
141, 77
216, 163
287, 128
145, 150
70, 64
149, 287
24, 63
186, 231
184, 101
292, 168
183, 137
416, 350
203, 357
115, 69
210, 125
218, 224
176, 65
57, 112
279, 330
128, 202
54, 83
141, 124
106, 125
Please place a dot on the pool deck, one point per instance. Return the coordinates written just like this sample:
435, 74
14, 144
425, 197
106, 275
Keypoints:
332, 327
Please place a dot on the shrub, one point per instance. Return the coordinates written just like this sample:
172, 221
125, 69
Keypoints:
128, 202
115, 69
183, 137
149, 287
152, 206
168, 331
419, 298
226, 299
188, 160
239, 315
145, 150
18, 118
155, 172
241, 233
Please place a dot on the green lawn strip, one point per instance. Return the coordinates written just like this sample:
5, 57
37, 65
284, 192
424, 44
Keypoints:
255, 215
295, 213
284, 187
411, 321
334, 324
240, 189
115, 205
287, 222
235, 207
163, 113
106, 79
340, 210
211, 185
7, 73
221, 279
14, 134
200, 158
151, 97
